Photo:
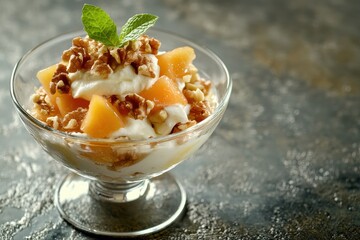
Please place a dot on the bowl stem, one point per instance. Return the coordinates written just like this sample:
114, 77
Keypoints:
118, 192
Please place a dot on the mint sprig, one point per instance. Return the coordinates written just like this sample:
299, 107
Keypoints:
136, 26
100, 27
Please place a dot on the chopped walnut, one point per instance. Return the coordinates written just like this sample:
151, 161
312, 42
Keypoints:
194, 95
126, 159
53, 122
113, 158
42, 104
81, 42
77, 56
142, 65
146, 70
72, 124
204, 85
196, 88
199, 111
134, 106
193, 71
73, 120
88, 54
101, 69
182, 126
60, 80
133, 54
149, 45
123, 107
186, 78
135, 45
158, 116
191, 86
199, 84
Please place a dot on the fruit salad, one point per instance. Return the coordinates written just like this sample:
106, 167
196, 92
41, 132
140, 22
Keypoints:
131, 90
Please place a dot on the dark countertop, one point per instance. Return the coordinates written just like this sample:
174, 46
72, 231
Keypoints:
285, 161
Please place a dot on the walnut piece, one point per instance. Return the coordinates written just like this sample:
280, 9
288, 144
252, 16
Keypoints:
141, 62
149, 45
182, 126
53, 122
73, 120
194, 95
134, 106
42, 106
199, 111
60, 80
158, 116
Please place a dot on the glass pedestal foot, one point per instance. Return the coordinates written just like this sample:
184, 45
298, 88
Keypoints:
145, 208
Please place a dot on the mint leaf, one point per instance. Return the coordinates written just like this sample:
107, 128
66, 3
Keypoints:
99, 25
135, 27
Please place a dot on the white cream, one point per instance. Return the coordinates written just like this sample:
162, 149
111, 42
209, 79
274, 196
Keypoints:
180, 84
121, 82
142, 129
135, 129
176, 113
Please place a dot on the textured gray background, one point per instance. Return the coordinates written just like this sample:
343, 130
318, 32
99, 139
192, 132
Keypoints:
284, 162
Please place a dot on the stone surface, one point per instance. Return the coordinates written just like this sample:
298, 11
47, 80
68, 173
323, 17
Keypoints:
285, 161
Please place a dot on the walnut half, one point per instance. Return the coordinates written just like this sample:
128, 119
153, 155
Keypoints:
134, 106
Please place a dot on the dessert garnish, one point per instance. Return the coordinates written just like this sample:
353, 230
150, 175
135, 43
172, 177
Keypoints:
100, 27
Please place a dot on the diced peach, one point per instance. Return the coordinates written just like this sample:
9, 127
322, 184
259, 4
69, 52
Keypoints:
44, 76
175, 64
66, 103
164, 92
102, 118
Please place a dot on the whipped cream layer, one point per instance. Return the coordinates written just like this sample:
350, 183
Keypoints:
141, 129
121, 82
135, 129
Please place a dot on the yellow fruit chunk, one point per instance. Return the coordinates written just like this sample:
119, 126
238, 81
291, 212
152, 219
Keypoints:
164, 92
175, 64
44, 76
66, 103
102, 118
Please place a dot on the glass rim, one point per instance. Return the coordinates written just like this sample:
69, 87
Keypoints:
220, 108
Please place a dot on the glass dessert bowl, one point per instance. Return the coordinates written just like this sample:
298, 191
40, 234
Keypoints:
118, 187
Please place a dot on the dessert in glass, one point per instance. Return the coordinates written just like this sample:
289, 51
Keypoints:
120, 119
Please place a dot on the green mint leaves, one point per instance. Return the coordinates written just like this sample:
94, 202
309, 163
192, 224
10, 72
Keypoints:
100, 27
136, 26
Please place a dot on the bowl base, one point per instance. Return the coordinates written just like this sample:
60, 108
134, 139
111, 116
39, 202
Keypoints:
162, 204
